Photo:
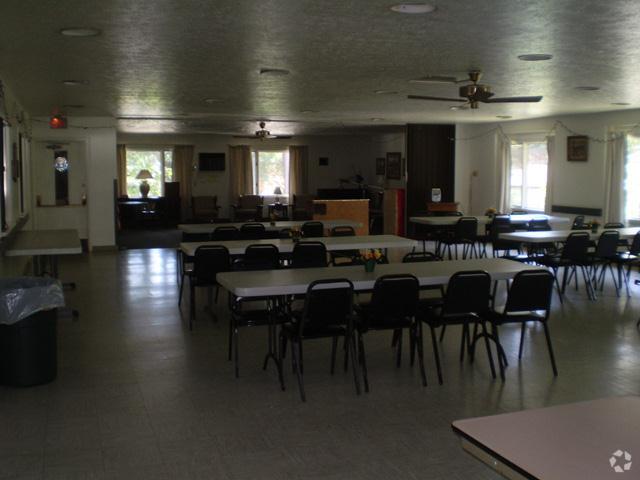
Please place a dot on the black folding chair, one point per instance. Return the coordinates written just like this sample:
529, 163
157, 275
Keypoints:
252, 231
312, 229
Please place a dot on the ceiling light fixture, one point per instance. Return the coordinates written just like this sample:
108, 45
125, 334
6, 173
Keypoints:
308, 111
376, 119
74, 83
211, 100
72, 106
80, 32
276, 72
535, 57
454, 107
504, 117
587, 88
621, 104
413, 8
385, 92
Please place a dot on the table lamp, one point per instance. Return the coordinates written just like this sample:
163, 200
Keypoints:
276, 192
144, 175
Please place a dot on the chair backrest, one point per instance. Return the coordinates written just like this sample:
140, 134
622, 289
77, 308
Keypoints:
417, 257
607, 245
225, 232
249, 201
501, 220
327, 302
467, 293
395, 297
613, 225
343, 231
578, 222
496, 230
208, 261
466, 228
195, 237
309, 255
576, 247
635, 245
312, 229
252, 231
539, 225
530, 291
260, 257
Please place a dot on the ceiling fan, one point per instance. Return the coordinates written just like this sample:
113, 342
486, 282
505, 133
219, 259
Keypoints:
262, 134
472, 94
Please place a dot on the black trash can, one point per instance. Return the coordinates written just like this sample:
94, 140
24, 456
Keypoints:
29, 350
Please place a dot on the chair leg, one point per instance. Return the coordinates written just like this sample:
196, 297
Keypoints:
283, 341
295, 352
417, 334
551, 355
444, 329
412, 349
524, 324
235, 350
394, 340
485, 335
555, 277
363, 362
463, 337
230, 337
346, 355
351, 350
334, 346
501, 355
436, 353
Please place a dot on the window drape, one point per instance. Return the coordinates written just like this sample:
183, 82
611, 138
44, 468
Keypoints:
182, 171
121, 152
298, 170
615, 163
551, 164
503, 150
240, 172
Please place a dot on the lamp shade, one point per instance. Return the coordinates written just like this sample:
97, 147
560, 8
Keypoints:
144, 174
277, 191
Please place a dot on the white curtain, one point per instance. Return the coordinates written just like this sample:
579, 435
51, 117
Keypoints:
182, 170
614, 202
551, 165
121, 151
240, 172
298, 169
503, 150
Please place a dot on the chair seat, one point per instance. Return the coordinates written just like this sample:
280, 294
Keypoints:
433, 318
368, 321
497, 317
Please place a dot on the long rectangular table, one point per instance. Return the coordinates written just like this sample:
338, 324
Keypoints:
295, 281
483, 220
196, 228
561, 235
43, 245
578, 441
360, 242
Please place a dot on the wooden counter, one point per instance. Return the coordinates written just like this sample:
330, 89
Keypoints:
355, 210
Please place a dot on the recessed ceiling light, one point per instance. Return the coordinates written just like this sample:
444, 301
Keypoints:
587, 88
503, 116
535, 57
376, 119
211, 100
385, 92
274, 71
74, 83
622, 104
454, 107
80, 32
413, 8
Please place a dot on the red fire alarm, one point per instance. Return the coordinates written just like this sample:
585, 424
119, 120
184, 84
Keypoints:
58, 121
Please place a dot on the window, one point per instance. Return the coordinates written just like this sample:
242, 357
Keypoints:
631, 176
528, 175
158, 161
270, 171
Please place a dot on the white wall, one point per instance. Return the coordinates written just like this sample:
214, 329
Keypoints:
98, 134
387, 143
347, 155
576, 184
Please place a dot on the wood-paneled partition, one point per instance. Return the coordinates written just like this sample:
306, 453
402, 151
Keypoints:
430, 164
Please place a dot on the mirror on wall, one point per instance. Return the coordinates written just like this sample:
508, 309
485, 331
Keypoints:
61, 172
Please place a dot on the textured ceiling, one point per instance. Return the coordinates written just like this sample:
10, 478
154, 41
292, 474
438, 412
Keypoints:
162, 58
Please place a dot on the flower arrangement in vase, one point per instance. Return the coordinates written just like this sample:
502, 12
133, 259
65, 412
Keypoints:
490, 212
595, 225
295, 233
370, 258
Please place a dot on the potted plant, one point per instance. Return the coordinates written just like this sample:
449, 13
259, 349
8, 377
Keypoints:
295, 233
370, 258
595, 225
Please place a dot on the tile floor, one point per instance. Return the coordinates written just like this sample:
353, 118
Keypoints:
139, 396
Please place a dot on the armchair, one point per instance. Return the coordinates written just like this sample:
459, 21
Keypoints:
204, 208
303, 207
249, 207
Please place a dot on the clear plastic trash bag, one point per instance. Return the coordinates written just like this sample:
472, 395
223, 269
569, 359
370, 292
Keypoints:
21, 297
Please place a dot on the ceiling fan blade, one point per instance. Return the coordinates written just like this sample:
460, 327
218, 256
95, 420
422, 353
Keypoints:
443, 99
513, 99
281, 136
244, 136
435, 79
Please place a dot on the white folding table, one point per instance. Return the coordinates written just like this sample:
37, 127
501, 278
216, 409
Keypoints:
196, 228
45, 245
596, 439
561, 235
294, 281
360, 242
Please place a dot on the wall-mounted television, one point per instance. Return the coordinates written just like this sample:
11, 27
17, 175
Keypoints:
211, 162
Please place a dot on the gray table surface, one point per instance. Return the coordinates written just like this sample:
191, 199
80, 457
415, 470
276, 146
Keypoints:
45, 242
567, 442
295, 281
210, 227
483, 220
561, 235
237, 247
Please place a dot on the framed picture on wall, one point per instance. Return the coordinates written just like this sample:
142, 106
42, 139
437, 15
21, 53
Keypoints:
578, 148
394, 166
380, 166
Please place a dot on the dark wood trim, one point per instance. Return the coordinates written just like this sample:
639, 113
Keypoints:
595, 212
